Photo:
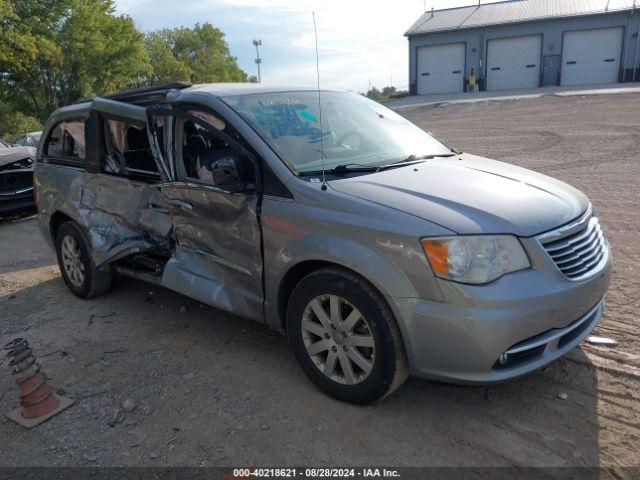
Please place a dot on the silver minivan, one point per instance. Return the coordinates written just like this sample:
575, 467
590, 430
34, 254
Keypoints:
380, 251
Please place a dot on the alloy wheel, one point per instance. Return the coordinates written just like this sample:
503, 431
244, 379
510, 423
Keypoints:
338, 339
72, 261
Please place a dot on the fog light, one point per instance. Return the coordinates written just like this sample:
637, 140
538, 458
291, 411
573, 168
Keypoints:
503, 359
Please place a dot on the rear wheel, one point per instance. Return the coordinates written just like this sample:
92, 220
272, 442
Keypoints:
345, 337
76, 266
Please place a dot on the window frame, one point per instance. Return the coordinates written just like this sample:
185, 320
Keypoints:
132, 174
179, 112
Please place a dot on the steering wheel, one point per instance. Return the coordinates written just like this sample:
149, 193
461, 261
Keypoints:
350, 133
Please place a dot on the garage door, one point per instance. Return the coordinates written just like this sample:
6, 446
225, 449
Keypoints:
514, 62
591, 56
441, 68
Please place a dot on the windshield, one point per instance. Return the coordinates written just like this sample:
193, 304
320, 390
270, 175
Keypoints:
355, 130
3, 145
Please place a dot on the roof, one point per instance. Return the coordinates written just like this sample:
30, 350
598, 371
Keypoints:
149, 96
512, 11
231, 89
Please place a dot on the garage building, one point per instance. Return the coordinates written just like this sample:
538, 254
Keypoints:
522, 44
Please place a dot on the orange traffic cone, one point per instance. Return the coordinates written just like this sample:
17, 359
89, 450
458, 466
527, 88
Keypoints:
38, 402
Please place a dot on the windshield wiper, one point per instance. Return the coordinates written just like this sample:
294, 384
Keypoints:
342, 169
358, 168
413, 158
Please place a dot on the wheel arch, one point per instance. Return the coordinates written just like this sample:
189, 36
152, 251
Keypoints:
297, 272
56, 221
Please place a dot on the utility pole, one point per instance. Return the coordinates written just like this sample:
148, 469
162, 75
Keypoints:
258, 43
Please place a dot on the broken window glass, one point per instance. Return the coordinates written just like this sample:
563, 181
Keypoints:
208, 158
67, 139
127, 149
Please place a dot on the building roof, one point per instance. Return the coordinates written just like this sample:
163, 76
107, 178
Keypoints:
513, 11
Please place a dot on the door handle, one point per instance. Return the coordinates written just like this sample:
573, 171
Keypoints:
181, 203
158, 208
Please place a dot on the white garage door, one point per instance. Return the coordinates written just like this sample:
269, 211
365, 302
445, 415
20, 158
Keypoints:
514, 62
591, 56
441, 69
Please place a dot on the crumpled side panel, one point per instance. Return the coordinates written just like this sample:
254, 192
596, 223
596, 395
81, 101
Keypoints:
118, 216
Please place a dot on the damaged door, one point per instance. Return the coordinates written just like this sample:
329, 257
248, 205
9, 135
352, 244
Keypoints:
214, 208
124, 210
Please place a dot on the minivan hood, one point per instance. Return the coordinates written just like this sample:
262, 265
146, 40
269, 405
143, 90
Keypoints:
472, 195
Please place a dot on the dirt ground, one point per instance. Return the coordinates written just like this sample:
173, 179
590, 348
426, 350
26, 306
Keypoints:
210, 389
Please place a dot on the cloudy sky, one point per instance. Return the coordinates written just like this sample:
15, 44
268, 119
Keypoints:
360, 41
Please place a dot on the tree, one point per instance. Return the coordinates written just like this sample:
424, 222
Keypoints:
375, 94
388, 91
385, 94
197, 55
13, 124
59, 51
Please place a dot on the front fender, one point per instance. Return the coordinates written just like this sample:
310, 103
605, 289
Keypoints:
366, 262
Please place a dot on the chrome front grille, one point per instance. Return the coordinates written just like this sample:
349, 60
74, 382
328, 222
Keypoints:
579, 249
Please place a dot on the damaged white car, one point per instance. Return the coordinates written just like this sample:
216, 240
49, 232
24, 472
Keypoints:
16, 178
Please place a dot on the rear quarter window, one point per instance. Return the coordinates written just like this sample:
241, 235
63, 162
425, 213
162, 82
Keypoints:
67, 141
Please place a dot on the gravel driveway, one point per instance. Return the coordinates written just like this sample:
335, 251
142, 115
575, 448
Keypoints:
209, 389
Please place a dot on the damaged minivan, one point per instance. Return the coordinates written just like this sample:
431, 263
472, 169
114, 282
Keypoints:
380, 251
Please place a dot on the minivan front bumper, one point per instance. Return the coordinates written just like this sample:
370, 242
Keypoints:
511, 327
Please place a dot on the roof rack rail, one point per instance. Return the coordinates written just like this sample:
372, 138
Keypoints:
144, 96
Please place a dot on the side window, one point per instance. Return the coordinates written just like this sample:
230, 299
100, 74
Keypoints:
127, 151
67, 140
206, 157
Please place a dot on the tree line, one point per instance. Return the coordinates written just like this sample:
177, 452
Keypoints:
56, 52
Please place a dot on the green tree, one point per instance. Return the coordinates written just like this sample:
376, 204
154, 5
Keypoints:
197, 55
375, 94
13, 124
59, 51
388, 91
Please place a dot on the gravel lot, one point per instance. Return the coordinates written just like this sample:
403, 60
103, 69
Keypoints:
210, 389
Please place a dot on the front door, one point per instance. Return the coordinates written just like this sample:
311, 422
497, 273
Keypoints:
213, 200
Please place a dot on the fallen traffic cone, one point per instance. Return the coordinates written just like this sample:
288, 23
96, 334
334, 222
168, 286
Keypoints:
38, 402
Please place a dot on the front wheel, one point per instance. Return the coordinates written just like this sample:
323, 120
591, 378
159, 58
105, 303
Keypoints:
345, 337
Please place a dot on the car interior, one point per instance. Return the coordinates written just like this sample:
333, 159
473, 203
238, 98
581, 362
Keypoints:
127, 152
208, 158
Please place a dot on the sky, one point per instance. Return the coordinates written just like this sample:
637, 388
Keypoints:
361, 42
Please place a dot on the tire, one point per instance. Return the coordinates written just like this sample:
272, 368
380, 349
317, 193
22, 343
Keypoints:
85, 281
372, 344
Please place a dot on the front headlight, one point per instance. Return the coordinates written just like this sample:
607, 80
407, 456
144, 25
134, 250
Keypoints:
475, 260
